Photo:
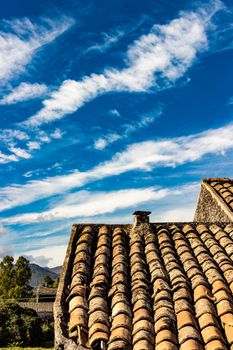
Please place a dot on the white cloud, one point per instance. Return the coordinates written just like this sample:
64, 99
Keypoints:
56, 254
28, 174
44, 137
114, 112
108, 40
91, 204
10, 138
102, 142
19, 152
48, 232
157, 59
10, 135
169, 152
5, 250
178, 214
162, 207
33, 145
20, 39
6, 158
57, 134
56, 167
24, 92
128, 129
40, 260
139, 156
88, 204
3, 230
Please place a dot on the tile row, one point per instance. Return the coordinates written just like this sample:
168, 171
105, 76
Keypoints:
225, 190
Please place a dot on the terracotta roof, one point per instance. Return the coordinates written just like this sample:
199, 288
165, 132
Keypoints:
223, 188
145, 286
45, 290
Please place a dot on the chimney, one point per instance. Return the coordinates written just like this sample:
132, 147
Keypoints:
141, 217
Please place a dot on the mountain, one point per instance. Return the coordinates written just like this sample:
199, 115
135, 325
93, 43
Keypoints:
56, 269
38, 274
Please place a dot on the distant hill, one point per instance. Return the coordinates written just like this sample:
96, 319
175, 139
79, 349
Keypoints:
38, 274
56, 269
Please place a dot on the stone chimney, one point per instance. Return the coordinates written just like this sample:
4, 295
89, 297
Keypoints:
141, 217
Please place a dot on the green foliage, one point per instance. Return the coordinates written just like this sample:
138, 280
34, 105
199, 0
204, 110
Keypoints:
14, 278
56, 282
22, 327
49, 282
19, 326
48, 331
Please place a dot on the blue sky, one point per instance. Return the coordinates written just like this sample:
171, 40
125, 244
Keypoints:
107, 107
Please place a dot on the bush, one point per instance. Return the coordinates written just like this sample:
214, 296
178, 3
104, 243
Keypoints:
48, 332
19, 326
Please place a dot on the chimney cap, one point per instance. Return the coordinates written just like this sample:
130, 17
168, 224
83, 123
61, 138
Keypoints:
142, 213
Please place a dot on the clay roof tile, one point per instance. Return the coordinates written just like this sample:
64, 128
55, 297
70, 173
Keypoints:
164, 286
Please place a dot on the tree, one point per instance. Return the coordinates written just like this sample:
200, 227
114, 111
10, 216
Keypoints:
23, 275
48, 281
7, 282
14, 278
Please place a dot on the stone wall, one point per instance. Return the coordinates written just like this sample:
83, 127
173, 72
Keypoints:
210, 208
60, 312
43, 310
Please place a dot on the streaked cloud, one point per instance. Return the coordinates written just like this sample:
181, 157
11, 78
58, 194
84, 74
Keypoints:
6, 158
19, 152
8, 136
24, 92
11, 137
127, 129
157, 59
90, 204
108, 40
169, 152
143, 156
56, 167
161, 205
21, 38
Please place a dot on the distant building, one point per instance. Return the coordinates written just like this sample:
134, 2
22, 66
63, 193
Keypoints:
42, 303
45, 294
146, 286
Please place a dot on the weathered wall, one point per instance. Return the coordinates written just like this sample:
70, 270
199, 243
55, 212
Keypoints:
43, 310
60, 313
210, 209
